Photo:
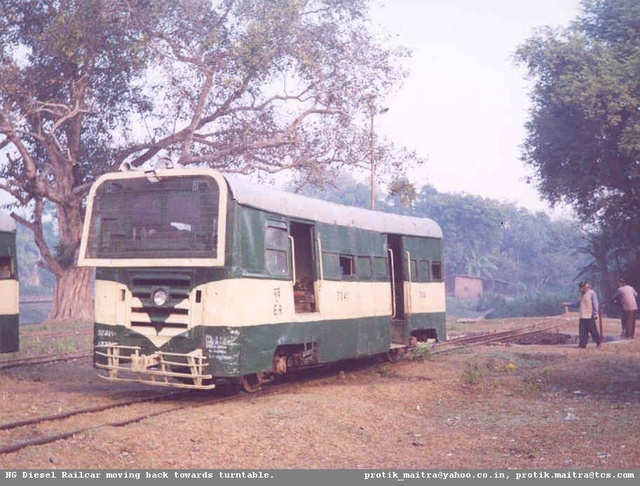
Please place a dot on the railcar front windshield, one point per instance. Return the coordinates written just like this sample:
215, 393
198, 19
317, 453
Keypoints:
174, 217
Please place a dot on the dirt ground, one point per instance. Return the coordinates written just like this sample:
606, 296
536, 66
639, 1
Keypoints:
485, 407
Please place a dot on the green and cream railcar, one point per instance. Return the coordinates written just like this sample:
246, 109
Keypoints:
9, 290
203, 279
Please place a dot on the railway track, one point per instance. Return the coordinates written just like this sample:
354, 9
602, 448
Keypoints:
509, 336
55, 334
42, 359
47, 429
52, 428
41, 430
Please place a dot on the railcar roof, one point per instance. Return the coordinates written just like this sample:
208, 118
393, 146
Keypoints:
7, 224
251, 194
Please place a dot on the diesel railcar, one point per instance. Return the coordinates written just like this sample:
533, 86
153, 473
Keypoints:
203, 279
9, 290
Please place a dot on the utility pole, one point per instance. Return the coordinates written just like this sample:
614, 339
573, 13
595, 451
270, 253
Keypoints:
372, 137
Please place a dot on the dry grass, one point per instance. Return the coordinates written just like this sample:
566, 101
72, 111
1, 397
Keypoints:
482, 407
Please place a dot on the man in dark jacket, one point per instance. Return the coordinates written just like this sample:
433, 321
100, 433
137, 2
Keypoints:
626, 296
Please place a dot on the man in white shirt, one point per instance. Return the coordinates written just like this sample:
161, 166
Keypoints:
588, 306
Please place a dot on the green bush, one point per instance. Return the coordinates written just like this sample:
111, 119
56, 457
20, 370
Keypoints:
522, 306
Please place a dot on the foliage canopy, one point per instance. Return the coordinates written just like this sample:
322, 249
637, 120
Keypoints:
244, 86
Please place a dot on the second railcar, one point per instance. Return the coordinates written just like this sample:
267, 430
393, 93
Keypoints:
9, 289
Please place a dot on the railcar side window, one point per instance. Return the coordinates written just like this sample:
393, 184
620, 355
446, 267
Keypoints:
276, 249
436, 270
423, 270
346, 265
5, 268
363, 267
414, 270
380, 267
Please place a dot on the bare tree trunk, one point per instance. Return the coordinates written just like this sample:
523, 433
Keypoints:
73, 295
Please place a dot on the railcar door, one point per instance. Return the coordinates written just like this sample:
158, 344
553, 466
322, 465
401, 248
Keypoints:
303, 255
396, 276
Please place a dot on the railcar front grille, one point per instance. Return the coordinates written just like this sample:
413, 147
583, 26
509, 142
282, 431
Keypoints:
147, 314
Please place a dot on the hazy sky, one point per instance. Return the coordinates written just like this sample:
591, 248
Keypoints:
465, 103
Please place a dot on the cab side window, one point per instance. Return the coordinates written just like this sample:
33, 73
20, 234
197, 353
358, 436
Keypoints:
276, 243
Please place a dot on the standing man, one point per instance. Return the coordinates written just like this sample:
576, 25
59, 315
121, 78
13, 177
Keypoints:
626, 296
588, 306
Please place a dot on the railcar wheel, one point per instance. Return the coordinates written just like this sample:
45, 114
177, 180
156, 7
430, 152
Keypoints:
250, 383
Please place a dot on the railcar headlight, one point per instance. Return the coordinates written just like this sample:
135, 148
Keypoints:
160, 297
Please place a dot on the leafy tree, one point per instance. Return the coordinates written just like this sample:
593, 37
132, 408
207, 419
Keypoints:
56, 124
583, 131
239, 85
583, 135
471, 226
402, 193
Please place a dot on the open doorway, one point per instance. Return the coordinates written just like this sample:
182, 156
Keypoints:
396, 275
304, 293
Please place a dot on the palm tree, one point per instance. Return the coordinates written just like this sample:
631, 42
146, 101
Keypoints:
604, 253
480, 264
